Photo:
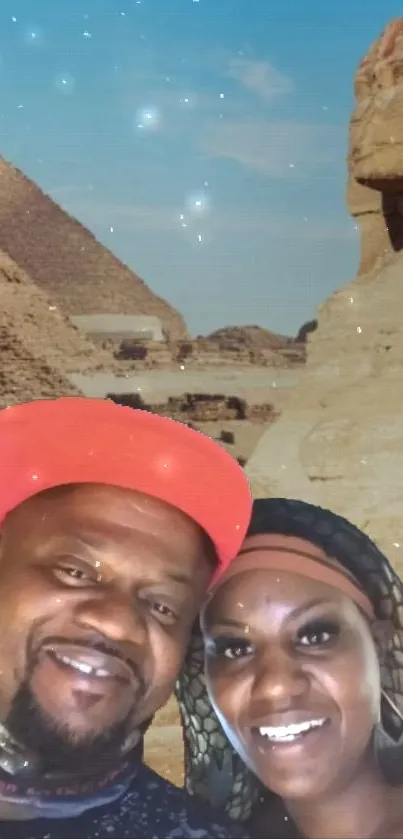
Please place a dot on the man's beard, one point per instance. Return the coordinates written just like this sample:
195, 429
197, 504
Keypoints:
56, 745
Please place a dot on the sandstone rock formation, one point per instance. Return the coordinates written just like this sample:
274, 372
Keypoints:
39, 345
65, 259
241, 346
25, 376
305, 330
249, 336
375, 187
339, 442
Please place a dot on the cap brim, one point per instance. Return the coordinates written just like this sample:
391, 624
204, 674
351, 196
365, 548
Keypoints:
48, 443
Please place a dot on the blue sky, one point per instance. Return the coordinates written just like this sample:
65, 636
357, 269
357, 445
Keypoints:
203, 141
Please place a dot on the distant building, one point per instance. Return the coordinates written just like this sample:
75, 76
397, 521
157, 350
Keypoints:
120, 327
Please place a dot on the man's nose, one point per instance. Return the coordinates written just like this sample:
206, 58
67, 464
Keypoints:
279, 680
115, 615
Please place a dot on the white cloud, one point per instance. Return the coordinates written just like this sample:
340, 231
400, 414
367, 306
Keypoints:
148, 88
261, 78
275, 149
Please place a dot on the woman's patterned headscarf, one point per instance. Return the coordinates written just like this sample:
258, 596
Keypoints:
212, 768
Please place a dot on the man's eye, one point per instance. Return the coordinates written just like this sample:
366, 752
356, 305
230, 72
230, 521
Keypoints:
318, 634
162, 612
229, 648
71, 575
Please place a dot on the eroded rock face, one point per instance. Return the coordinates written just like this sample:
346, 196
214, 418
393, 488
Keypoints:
339, 441
375, 187
376, 131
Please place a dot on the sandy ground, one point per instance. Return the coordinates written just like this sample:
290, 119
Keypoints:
256, 384
247, 435
163, 745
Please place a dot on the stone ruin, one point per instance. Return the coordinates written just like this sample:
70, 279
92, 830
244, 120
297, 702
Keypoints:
232, 346
200, 407
339, 441
195, 409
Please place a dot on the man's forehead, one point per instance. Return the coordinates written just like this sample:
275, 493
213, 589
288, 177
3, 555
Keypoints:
112, 512
80, 497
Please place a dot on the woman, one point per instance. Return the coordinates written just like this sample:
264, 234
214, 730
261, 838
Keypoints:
304, 664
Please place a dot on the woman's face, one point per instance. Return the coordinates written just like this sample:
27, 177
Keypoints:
293, 673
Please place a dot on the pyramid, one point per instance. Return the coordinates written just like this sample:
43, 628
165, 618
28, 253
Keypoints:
67, 262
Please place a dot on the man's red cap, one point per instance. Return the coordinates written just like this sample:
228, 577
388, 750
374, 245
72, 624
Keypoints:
72, 440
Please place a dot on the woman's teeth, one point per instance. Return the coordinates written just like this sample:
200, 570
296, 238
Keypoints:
288, 733
100, 673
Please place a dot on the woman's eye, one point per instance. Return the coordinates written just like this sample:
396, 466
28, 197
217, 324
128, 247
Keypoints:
318, 634
71, 575
229, 648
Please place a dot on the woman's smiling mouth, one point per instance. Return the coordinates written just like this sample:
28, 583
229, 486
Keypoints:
290, 733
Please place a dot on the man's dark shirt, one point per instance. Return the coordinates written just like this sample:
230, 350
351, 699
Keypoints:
151, 809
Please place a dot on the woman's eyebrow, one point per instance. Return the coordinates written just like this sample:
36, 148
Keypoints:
300, 611
308, 606
229, 622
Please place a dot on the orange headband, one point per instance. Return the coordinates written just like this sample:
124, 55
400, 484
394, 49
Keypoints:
312, 567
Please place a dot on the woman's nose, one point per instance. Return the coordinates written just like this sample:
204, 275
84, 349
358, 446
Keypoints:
279, 679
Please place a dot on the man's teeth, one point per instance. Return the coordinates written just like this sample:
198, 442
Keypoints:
100, 673
288, 733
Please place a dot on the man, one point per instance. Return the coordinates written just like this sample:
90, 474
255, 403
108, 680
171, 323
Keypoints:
112, 523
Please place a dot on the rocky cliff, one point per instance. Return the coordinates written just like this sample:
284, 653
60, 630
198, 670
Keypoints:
339, 442
66, 261
39, 345
375, 184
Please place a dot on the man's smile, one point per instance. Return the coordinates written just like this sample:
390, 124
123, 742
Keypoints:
90, 663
